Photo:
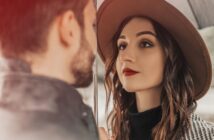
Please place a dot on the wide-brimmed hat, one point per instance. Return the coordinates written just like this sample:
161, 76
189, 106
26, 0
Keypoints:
112, 13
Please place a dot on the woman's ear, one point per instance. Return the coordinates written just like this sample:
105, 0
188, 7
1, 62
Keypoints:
69, 29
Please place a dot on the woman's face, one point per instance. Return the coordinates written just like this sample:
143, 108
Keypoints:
141, 59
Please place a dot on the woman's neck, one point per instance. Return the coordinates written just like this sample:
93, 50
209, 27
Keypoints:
148, 99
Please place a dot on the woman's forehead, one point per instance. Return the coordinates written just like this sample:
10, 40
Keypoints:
137, 24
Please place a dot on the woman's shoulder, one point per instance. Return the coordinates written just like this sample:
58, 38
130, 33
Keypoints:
197, 120
200, 129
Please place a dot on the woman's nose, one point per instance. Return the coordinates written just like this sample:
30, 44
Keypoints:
127, 55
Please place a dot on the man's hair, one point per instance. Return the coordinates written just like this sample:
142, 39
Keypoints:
24, 24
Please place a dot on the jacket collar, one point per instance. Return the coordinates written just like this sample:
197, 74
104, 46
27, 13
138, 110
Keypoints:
14, 65
20, 89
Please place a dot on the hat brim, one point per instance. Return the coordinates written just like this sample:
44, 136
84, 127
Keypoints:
113, 12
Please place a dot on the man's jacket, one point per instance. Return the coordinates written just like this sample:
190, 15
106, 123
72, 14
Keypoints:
34, 107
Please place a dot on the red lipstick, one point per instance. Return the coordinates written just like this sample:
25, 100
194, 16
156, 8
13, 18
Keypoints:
129, 72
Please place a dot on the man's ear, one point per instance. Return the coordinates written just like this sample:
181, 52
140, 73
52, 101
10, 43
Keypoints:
68, 28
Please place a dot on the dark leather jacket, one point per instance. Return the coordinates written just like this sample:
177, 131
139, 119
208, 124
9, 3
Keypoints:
34, 107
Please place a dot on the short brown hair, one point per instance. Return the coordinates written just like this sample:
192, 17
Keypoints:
24, 24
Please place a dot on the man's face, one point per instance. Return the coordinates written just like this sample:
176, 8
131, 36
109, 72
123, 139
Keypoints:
81, 66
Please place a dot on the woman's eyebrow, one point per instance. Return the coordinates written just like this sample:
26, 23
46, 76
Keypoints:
146, 32
139, 33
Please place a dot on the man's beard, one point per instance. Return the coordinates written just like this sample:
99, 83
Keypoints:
81, 67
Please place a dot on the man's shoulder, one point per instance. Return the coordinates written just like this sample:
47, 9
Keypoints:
34, 125
46, 105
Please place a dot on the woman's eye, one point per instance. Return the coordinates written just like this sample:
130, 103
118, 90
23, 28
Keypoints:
122, 46
145, 44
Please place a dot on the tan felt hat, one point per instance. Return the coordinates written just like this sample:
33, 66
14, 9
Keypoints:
113, 12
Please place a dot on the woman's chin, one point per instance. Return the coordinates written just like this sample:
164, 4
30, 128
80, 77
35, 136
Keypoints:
130, 89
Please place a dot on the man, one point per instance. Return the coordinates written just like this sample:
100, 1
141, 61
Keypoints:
47, 50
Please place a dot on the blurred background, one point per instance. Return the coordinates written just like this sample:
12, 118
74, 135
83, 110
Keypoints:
200, 13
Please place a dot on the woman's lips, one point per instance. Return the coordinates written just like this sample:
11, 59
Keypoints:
129, 72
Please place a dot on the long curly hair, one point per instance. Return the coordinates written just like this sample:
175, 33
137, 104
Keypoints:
177, 96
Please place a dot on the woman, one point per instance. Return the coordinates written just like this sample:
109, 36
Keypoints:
157, 67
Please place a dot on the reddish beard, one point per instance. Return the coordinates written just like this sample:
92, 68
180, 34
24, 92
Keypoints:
82, 66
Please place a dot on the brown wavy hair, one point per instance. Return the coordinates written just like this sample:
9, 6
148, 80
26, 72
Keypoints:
177, 96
